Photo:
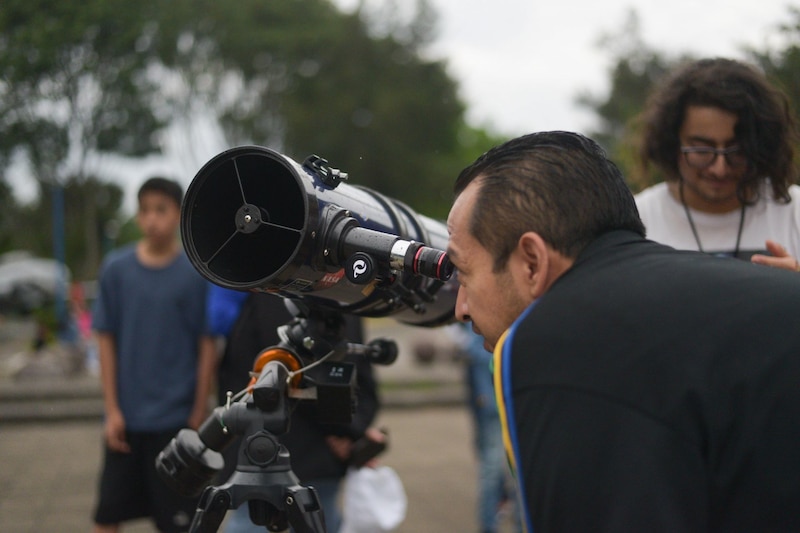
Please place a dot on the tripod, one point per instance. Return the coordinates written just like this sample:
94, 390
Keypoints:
263, 477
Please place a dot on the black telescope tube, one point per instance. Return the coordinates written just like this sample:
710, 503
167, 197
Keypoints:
256, 220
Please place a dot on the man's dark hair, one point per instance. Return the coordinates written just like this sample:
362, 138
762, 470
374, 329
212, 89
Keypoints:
765, 129
164, 186
559, 184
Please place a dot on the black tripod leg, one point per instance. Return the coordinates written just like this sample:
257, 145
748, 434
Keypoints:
211, 509
304, 510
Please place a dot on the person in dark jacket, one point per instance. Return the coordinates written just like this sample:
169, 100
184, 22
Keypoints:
641, 388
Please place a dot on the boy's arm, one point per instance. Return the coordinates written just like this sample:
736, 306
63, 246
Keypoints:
206, 370
114, 428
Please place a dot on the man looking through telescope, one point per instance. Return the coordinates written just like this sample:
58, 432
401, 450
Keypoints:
641, 388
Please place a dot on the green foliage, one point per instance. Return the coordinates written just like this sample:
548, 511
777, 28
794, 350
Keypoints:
299, 76
128, 232
351, 88
7, 206
88, 203
77, 74
374, 109
636, 68
74, 85
782, 65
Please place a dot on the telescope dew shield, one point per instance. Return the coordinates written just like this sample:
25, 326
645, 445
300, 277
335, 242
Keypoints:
256, 220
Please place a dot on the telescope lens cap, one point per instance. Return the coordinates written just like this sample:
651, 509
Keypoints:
360, 268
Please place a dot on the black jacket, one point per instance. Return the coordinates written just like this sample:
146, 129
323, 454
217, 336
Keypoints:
656, 390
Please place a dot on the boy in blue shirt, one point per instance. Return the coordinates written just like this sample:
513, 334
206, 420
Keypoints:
156, 362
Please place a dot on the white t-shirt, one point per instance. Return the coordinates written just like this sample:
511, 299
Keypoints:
665, 219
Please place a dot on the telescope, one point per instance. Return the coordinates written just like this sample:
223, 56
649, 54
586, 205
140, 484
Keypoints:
256, 220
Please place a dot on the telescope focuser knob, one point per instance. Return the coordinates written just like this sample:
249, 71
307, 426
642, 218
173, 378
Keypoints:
331, 177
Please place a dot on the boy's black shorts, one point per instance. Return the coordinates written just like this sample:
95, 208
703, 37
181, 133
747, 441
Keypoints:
130, 487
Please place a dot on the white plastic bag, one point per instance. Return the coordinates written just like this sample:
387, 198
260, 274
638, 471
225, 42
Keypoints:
374, 500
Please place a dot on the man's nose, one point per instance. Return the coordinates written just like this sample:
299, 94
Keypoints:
462, 311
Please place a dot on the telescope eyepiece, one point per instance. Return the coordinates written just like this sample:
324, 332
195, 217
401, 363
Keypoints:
430, 262
399, 255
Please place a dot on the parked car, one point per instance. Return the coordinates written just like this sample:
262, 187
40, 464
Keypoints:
28, 282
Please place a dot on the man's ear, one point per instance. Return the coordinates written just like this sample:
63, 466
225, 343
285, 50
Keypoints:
534, 265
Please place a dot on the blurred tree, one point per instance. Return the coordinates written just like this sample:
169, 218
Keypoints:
782, 64
27, 232
304, 78
299, 76
8, 207
377, 110
128, 232
72, 87
635, 69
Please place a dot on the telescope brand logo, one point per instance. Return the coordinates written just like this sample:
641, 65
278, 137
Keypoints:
359, 267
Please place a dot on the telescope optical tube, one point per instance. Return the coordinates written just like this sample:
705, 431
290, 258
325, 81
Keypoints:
256, 220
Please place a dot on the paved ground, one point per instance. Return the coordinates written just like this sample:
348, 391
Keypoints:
47, 481
49, 468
